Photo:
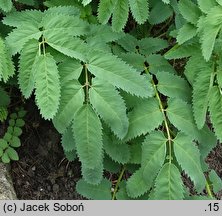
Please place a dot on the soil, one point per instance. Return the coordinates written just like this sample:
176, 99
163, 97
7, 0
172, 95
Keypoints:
42, 171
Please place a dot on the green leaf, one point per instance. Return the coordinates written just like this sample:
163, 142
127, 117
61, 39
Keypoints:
29, 55
169, 185
185, 33
70, 69
105, 10
120, 14
20, 36
140, 10
19, 122
92, 175
72, 98
201, 90
173, 86
5, 158
87, 131
3, 144
63, 25
72, 47
215, 108
153, 155
68, 141
18, 18
104, 99
136, 153
17, 131
188, 156
111, 69
149, 45
136, 185
189, 11
6, 64
15, 142
98, 192
47, 85
180, 114
119, 152
156, 17
145, 117
70, 155
6, 5
205, 6
5, 99
216, 181
12, 154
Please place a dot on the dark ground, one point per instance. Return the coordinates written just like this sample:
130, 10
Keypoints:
42, 171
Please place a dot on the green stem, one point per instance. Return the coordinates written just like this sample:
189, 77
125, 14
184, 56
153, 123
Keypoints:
86, 84
118, 182
209, 190
164, 116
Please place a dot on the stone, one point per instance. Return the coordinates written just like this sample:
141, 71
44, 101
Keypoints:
7, 191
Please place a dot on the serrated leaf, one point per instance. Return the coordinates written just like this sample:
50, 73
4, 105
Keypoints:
111, 69
135, 153
72, 98
70, 69
6, 64
180, 114
70, 155
18, 18
63, 25
205, 6
72, 47
179, 52
149, 45
153, 155
66, 9
119, 152
188, 156
5, 99
201, 90
140, 10
27, 59
19, 36
216, 181
105, 10
86, 2
169, 185
155, 17
87, 131
68, 141
47, 85
98, 192
136, 185
6, 5
189, 11
144, 118
173, 86
19, 122
92, 175
215, 108
120, 15
185, 33
104, 98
